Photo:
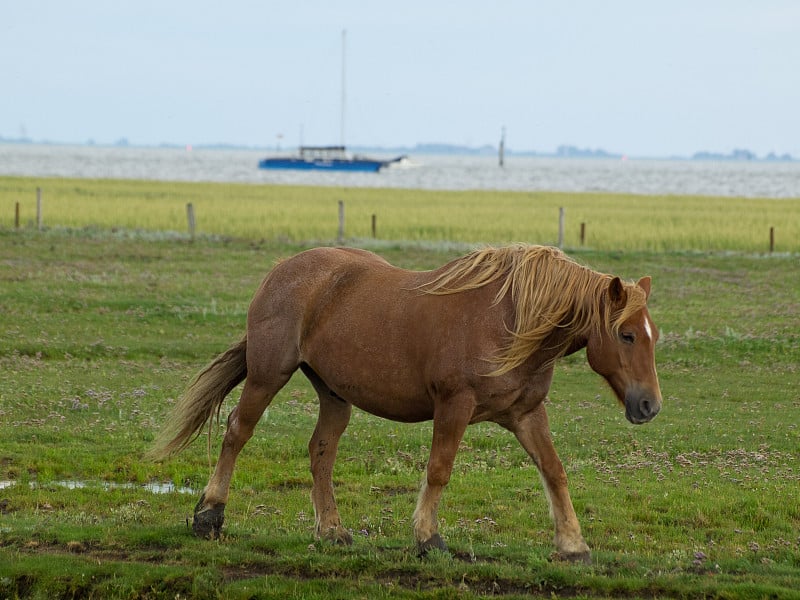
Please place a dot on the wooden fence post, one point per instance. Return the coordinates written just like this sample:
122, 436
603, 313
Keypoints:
561, 227
16, 215
39, 208
340, 237
771, 240
583, 234
374, 226
190, 219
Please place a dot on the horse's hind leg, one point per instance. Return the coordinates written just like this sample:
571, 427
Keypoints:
256, 396
334, 415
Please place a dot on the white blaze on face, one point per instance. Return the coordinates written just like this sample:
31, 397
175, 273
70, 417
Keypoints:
647, 329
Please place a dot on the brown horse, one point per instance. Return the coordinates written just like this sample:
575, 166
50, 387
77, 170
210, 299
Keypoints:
475, 340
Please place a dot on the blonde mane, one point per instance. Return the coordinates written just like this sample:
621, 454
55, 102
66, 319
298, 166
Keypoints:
548, 291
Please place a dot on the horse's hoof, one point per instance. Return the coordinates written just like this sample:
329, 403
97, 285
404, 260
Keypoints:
434, 543
207, 522
576, 557
338, 536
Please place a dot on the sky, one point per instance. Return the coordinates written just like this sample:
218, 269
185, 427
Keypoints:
642, 78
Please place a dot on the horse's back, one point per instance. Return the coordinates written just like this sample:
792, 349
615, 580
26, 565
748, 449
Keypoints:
323, 261
318, 284
324, 271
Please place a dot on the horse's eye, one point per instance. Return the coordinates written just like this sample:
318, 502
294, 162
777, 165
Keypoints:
628, 338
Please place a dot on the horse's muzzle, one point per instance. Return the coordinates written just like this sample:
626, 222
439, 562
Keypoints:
641, 406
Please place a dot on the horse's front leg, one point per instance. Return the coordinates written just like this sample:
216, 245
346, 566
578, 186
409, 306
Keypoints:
450, 420
533, 432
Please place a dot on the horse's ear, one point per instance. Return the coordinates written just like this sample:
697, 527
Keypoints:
644, 283
616, 292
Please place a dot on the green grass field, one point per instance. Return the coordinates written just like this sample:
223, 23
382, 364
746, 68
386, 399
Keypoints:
302, 214
101, 330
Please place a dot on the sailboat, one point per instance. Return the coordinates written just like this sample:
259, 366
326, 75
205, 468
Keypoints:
330, 158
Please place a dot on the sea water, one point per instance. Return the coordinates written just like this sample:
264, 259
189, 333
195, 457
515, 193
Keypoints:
521, 173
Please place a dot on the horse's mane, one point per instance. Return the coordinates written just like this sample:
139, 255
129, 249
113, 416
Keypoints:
548, 291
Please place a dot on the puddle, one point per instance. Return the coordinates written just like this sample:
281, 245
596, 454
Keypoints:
152, 487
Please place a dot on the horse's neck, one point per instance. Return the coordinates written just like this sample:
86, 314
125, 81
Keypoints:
554, 348
576, 340
577, 344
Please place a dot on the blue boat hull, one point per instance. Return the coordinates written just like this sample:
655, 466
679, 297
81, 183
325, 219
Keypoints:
364, 165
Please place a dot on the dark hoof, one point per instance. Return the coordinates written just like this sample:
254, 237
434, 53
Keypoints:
576, 557
338, 536
207, 522
435, 543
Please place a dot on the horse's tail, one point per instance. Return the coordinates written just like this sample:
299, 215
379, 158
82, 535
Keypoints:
201, 401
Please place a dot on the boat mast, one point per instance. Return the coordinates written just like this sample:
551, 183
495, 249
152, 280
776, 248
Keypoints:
341, 123
501, 151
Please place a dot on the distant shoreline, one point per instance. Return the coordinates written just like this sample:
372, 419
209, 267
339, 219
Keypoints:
440, 149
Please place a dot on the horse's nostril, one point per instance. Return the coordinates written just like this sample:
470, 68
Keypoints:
641, 408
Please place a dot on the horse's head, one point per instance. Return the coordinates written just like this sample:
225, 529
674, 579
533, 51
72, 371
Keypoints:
623, 350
